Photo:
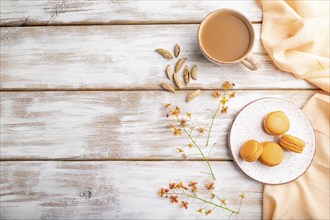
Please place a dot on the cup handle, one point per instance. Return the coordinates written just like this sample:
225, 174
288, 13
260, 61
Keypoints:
251, 61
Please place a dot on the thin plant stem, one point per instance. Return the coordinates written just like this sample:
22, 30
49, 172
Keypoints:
206, 172
240, 204
208, 202
209, 133
208, 155
200, 151
220, 200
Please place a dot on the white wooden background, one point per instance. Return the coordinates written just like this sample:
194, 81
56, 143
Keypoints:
81, 108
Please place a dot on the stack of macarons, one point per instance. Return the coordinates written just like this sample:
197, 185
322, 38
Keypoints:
270, 153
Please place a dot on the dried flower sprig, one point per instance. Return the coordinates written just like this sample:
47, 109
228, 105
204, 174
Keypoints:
179, 191
181, 123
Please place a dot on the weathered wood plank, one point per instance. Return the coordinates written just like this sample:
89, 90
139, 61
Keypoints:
118, 190
119, 57
112, 125
59, 12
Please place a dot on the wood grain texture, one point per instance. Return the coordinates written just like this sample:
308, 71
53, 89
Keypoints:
113, 125
120, 57
60, 12
116, 190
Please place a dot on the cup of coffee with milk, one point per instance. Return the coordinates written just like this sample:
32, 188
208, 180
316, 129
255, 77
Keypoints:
227, 36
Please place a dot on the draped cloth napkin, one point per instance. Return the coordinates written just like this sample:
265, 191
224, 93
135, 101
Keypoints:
296, 36
308, 196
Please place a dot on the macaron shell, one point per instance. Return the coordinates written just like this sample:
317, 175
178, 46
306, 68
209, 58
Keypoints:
251, 150
272, 154
256, 155
265, 126
276, 123
292, 143
291, 147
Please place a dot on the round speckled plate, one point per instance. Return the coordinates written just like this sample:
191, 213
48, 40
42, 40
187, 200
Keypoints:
248, 125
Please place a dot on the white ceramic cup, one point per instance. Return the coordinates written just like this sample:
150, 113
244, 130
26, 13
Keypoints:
248, 59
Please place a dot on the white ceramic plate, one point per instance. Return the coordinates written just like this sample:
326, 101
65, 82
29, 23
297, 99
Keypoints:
248, 125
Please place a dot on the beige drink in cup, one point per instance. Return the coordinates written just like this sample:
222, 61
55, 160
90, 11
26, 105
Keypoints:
227, 36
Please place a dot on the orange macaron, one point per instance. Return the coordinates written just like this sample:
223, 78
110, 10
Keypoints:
251, 150
272, 154
292, 143
276, 123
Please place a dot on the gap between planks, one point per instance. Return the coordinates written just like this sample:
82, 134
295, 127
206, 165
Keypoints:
113, 159
115, 23
151, 90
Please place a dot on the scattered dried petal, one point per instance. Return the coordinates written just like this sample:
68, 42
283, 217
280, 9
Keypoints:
179, 185
179, 64
200, 210
224, 100
217, 94
169, 72
208, 212
184, 204
165, 53
227, 85
190, 145
224, 109
177, 81
193, 95
232, 95
212, 196
177, 50
188, 114
210, 186
172, 185
183, 122
194, 72
168, 87
166, 105
192, 183
176, 112
201, 130
174, 199
176, 131
186, 75
180, 150
161, 192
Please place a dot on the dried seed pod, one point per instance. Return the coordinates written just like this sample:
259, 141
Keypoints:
194, 72
176, 50
186, 75
193, 95
179, 64
165, 53
177, 81
168, 87
169, 71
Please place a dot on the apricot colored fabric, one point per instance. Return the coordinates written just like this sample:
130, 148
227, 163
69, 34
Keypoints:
296, 36
308, 197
